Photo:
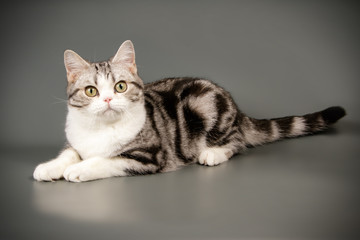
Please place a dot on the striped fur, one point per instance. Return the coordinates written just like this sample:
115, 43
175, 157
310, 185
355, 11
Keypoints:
257, 132
157, 127
191, 115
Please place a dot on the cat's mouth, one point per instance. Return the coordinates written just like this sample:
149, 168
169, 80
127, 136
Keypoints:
110, 110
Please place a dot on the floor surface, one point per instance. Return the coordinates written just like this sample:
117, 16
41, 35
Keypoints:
304, 188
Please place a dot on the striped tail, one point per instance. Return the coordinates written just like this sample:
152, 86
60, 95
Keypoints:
260, 131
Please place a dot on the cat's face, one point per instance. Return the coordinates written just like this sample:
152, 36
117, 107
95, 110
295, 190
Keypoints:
105, 90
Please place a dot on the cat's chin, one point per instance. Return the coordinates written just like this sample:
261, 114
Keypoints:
110, 114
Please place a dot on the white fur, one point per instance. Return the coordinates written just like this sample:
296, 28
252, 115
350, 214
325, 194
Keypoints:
275, 133
214, 156
298, 126
95, 168
99, 137
55, 168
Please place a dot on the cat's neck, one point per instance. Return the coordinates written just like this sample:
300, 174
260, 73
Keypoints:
94, 136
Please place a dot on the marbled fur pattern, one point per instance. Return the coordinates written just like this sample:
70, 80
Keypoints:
157, 127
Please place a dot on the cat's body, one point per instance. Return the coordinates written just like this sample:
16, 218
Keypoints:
117, 126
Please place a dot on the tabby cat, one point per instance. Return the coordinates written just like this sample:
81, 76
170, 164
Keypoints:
117, 126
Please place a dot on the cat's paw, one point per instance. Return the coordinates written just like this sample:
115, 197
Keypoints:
214, 156
54, 169
49, 171
87, 170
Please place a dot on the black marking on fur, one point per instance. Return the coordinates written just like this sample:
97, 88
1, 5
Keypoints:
150, 112
312, 122
150, 99
178, 150
136, 157
177, 138
262, 125
169, 101
238, 120
213, 137
163, 163
95, 80
138, 154
73, 93
221, 104
194, 89
169, 98
285, 124
226, 138
137, 172
332, 114
194, 122
137, 85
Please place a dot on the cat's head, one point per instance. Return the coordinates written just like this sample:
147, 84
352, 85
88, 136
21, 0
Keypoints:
105, 90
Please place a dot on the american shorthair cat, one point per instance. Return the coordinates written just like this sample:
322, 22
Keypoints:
117, 126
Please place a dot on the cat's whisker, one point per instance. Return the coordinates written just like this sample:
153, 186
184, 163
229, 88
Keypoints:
60, 100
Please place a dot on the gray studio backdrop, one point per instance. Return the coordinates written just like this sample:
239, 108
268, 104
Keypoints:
275, 57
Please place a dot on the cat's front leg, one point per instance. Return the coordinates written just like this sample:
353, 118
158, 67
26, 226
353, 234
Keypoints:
54, 169
98, 168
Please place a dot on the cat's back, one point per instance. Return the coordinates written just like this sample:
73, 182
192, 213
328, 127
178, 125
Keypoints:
174, 84
201, 94
181, 88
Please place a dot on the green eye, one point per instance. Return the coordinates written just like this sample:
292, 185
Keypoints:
121, 87
90, 91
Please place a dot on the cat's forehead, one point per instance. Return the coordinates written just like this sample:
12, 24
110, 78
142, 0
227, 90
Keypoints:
102, 68
109, 71
104, 74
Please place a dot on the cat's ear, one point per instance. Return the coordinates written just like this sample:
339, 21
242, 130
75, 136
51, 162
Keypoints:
74, 65
126, 56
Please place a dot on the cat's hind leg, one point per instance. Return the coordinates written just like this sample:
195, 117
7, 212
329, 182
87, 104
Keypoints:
212, 156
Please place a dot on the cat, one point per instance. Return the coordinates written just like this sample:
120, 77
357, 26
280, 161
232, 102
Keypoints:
118, 126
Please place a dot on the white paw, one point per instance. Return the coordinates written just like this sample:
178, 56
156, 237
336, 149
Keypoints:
214, 156
87, 170
55, 168
49, 171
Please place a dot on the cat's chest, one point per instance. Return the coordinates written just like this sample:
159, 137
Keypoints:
94, 142
99, 142
94, 137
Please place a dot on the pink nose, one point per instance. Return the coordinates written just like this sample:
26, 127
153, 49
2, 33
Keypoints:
108, 99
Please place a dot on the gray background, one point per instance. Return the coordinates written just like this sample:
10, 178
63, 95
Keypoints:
276, 58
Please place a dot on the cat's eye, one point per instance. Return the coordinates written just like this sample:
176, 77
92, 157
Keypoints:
121, 87
90, 91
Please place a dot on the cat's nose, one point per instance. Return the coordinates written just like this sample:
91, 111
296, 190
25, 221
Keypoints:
108, 99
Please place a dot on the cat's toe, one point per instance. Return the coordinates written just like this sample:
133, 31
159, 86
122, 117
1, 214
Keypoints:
41, 174
47, 172
207, 158
213, 156
82, 172
73, 173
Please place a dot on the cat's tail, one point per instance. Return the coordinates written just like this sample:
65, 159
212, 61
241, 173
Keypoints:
260, 131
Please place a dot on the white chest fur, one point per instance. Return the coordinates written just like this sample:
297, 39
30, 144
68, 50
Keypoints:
95, 138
